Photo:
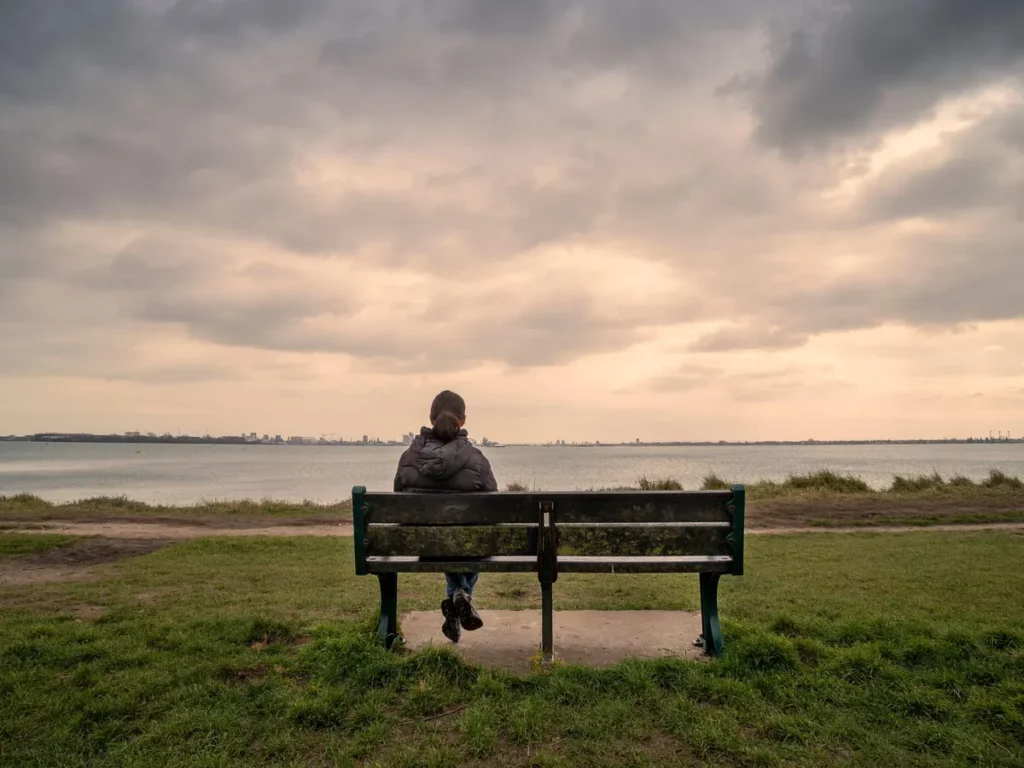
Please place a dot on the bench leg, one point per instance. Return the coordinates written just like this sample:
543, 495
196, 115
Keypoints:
547, 625
712, 635
387, 628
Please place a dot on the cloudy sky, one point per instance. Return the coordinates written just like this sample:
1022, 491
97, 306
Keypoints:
665, 219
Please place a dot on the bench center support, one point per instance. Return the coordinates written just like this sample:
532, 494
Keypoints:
547, 573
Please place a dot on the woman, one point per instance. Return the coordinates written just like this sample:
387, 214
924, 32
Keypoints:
441, 458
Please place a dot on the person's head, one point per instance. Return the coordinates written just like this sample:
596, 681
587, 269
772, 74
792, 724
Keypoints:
447, 416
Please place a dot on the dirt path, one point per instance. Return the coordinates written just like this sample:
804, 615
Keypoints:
178, 530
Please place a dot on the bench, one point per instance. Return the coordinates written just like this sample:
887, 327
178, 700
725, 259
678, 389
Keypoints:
548, 534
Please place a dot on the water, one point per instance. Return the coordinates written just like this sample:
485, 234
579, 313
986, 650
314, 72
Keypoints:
185, 474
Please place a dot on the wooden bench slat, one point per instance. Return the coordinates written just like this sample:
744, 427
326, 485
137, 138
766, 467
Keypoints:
451, 540
649, 539
502, 563
642, 507
677, 524
644, 564
569, 507
450, 508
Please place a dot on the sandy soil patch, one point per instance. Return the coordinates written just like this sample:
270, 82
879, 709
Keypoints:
74, 562
511, 639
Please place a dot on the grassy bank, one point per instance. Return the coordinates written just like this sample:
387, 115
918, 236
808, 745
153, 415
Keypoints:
27, 506
860, 650
819, 499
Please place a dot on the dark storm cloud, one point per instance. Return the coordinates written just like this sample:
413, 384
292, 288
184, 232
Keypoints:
875, 64
979, 168
943, 281
194, 113
232, 17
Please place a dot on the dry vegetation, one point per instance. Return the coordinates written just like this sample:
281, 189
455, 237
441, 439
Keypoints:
27, 506
820, 499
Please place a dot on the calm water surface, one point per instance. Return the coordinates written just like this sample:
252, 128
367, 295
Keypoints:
184, 474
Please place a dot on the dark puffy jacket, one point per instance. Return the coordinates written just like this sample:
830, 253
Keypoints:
431, 465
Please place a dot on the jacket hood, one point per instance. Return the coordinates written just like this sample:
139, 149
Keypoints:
438, 460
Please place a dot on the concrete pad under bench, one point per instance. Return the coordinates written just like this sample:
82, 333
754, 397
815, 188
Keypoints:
511, 639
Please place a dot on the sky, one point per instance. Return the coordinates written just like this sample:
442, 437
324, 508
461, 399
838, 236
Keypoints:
662, 219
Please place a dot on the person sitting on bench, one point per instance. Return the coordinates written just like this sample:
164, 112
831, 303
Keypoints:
441, 458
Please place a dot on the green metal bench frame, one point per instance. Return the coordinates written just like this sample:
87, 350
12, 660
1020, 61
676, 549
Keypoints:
548, 533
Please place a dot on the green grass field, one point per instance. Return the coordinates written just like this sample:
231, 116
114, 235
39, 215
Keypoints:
858, 649
15, 546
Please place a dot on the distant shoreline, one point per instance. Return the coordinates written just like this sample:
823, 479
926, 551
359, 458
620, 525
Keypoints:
238, 440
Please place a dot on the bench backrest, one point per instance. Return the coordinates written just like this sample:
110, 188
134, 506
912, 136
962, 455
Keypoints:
631, 531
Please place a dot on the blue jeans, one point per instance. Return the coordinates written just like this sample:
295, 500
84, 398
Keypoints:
464, 581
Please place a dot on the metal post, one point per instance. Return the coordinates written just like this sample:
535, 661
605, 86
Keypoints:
387, 627
547, 622
547, 572
712, 633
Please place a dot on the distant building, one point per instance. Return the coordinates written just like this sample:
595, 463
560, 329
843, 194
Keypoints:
365, 439
295, 440
132, 434
408, 438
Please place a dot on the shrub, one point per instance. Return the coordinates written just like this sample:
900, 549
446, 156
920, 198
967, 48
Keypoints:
713, 482
122, 503
919, 483
658, 484
999, 479
828, 481
516, 487
960, 481
25, 500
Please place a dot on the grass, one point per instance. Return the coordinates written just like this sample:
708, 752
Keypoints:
17, 545
857, 650
925, 520
26, 505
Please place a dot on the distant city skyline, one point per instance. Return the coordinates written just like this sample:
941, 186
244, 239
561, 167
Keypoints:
253, 438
